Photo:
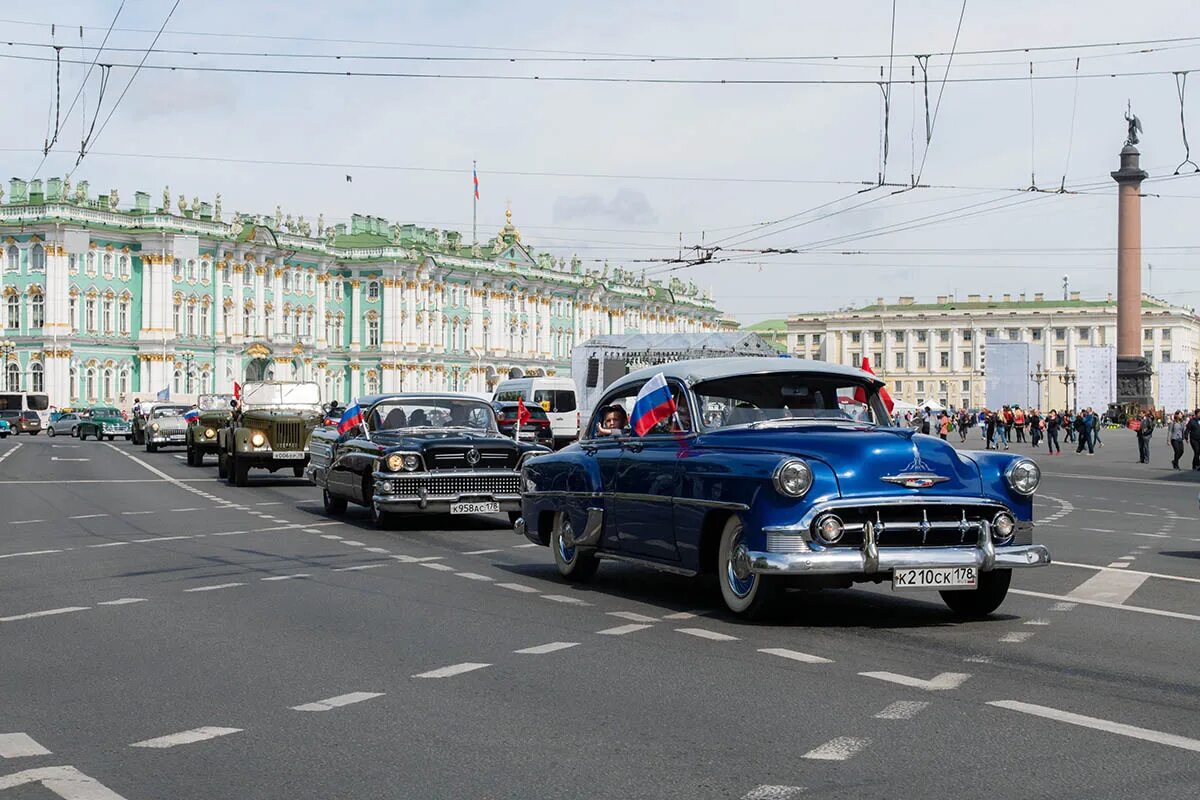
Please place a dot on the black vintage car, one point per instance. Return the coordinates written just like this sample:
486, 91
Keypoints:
434, 453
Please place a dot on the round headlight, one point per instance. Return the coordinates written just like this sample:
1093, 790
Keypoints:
395, 462
793, 478
411, 462
1024, 476
209, 433
257, 439
830, 528
154, 426
1003, 526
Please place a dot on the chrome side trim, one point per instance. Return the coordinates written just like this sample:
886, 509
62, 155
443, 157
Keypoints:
641, 497
721, 504
592, 529
554, 493
646, 563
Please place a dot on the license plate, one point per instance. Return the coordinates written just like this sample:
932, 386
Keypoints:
289, 454
475, 508
935, 578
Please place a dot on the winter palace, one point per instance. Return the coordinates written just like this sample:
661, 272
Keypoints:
104, 303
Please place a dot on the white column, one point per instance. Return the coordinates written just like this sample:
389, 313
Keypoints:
277, 305
322, 342
391, 316
260, 301
218, 308
476, 321
239, 299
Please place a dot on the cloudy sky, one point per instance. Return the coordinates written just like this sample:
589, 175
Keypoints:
627, 171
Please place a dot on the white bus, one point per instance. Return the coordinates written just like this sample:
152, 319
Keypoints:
27, 401
555, 396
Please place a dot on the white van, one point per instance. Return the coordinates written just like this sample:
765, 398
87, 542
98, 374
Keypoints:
556, 396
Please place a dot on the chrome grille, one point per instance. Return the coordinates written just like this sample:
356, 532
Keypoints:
915, 525
786, 543
449, 484
456, 458
287, 436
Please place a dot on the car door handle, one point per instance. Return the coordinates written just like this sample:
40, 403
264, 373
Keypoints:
634, 447
590, 450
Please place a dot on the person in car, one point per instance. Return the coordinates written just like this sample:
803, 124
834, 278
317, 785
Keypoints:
613, 420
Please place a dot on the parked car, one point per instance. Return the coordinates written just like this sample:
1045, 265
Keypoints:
64, 422
269, 429
790, 476
103, 422
215, 411
555, 396
535, 429
5, 429
429, 453
164, 426
22, 421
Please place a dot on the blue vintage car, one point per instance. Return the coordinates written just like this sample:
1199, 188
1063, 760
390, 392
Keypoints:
778, 472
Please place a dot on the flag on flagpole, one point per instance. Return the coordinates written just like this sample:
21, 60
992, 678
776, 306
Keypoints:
237, 391
654, 403
164, 393
884, 395
192, 415
475, 179
351, 419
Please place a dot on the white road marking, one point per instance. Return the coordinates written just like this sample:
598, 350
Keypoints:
795, 655
56, 458
330, 536
1119, 565
87, 516
621, 630
938, 683
529, 544
50, 613
31, 553
177, 455
839, 749
123, 601
214, 587
1119, 728
25, 521
438, 566
518, 587
1016, 637
287, 577
134, 513
562, 598
1152, 535
312, 530
159, 539
978, 659
1063, 606
186, 737
452, 670
110, 544
766, 792
358, 568
184, 510
680, 615
1110, 586
1099, 530
403, 559
633, 617
480, 552
8, 453
1140, 514
1036, 622
473, 576
902, 709
66, 782
272, 503
549, 647
377, 550
20, 745
338, 702
1127, 558
353, 543
707, 634
1104, 604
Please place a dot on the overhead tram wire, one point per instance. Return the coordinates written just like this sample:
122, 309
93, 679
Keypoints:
938, 105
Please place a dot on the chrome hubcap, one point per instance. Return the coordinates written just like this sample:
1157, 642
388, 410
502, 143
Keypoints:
566, 541
737, 572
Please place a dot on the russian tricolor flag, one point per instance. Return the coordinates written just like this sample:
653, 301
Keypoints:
192, 415
351, 419
475, 178
654, 404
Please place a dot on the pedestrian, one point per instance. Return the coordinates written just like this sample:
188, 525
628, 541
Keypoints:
1068, 424
1083, 433
982, 421
1008, 425
1019, 423
926, 427
943, 425
964, 422
1035, 427
1144, 432
1096, 429
988, 426
1003, 427
1053, 425
1176, 431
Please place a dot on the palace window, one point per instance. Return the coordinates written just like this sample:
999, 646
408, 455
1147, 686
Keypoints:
1166, 355
13, 262
943, 359
267, 326
202, 328
1166, 334
37, 378
920, 387
226, 272
1086, 333
37, 311
372, 332
922, 360
106, 264
876, 336
177, 317
191, 270
89, 383
72, 311
107, 315
897, 335
90, 263
13, 377
190, 321
339, 331
123, 382
123, 315
123, 267
107, 385
922, 336
312, 283
899, 360
247, 276
72, 264
1060, 335
943, 336
247, 322
73, 382
1148, 335
287, 281
176, 270
89, 315
37, 258
177, 380
966, 359
372, 291
1014, 334
1060, 358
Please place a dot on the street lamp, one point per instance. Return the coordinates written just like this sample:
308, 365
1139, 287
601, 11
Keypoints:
188, 357
1069, 378
8, 350
1040, 376
1194, 374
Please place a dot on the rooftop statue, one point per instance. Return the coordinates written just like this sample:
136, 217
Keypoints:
217, 208
289, 225
196, 204
67, 189
278, 217
1134, 126
304, 227
113, 199
182, 204
166, 206
320, 225
81, 192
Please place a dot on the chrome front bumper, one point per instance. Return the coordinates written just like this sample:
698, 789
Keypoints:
871, 559
435, 491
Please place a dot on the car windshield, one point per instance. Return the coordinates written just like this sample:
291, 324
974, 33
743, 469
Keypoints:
105, 412
510, 411
167, 411
784, 399
431, 412
281, 395
213, 402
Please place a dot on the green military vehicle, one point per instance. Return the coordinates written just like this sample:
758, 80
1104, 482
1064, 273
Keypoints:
215, 411
269, 429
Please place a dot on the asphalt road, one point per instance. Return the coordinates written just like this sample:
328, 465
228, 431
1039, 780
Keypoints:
163, 635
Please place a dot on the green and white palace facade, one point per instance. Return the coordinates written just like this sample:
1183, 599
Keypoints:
103, 303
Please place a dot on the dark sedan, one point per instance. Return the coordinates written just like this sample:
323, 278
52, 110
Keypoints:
535, 429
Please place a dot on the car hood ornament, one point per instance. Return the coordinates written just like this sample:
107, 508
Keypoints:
917, 474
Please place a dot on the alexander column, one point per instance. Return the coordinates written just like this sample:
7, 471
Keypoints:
1133, 369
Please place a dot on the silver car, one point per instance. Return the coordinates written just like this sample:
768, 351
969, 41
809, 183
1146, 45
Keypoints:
166, 427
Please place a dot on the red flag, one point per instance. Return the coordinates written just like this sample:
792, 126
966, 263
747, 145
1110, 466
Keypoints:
888, 402
523, 414
237, 391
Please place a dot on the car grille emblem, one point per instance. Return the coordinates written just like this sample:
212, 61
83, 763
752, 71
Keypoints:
472, 456
917, 475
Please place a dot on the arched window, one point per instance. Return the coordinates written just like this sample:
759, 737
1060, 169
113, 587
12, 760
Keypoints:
372, 382
123, 315
89, 314
227, 320
372, 291
12, 379
176, 270
202, 327
287, 280
37, 258
190, 321
37, 311
372, 332
123, 266
107, 386
91, 263
191, 270
123, 383
72, 264
248, 321
177, 384
106, 315
13, 317
89, 383
106, 265
73, 311
205, 382
247, 275
13, 261
73, 382
37, 377
226, 272
177, 315
312, 283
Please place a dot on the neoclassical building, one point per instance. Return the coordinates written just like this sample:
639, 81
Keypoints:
105, 303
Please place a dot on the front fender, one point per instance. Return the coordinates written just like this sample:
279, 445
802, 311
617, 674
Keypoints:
992, 467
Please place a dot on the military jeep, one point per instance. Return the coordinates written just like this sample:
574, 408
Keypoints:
269, 430
215, 411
